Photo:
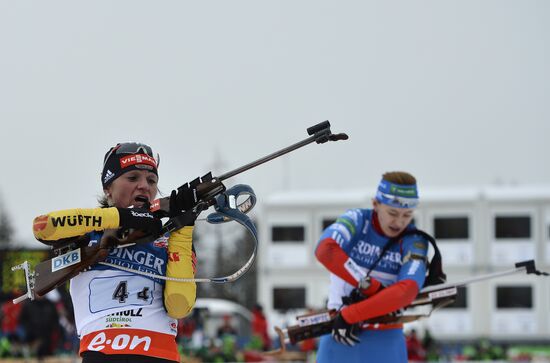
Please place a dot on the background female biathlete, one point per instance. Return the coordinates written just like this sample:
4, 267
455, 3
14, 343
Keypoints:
351, 249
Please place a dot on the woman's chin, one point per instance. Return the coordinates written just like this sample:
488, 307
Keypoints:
392, 233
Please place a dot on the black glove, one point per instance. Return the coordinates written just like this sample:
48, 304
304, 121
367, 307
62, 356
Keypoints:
182, 220
343, 332
355, 296
137, 218
184, 198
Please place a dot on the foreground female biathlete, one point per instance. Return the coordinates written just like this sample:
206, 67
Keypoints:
357, 250
123, 316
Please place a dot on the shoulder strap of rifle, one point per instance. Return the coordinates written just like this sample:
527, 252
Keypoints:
435, 269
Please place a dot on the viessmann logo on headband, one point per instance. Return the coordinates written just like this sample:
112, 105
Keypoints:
137, 159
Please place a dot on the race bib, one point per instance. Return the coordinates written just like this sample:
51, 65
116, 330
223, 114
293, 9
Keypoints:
120, 291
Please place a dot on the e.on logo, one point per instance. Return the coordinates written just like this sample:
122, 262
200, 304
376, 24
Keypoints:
119, 342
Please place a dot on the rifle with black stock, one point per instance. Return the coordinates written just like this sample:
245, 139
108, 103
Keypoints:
74, 255
435, 297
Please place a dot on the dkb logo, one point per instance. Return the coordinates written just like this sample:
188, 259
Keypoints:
68, 259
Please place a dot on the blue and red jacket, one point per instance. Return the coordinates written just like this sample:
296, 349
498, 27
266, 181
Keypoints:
349, 249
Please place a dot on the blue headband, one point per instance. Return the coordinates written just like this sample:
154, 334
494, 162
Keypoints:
397, 195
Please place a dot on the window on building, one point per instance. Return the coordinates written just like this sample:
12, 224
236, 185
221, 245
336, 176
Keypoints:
461, 301
285, 298
287, 233
451, 228
513, 227
327, 222
513, 297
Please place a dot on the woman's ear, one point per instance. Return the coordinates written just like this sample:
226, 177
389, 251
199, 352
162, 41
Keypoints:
376, 205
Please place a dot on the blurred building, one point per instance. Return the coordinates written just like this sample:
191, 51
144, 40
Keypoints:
479, 231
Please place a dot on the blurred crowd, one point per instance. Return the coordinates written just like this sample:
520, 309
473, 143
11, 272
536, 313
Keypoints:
37, 328
427, 349
44, 327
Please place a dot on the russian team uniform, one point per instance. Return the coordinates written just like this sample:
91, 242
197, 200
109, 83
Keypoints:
354, 233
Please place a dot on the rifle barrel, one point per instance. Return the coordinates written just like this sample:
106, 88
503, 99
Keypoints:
267, 158
473, 279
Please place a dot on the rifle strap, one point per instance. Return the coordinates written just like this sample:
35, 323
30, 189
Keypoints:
226, 210
435, 269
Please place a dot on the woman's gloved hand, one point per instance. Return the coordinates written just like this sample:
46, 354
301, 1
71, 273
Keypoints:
344, 332
141, 219
184, 199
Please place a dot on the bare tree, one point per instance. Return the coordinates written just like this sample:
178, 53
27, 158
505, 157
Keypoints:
232, 249
6, 229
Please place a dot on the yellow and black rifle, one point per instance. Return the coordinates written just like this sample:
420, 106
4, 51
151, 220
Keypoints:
73, 255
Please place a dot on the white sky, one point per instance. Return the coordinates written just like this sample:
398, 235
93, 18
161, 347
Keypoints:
456, 92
